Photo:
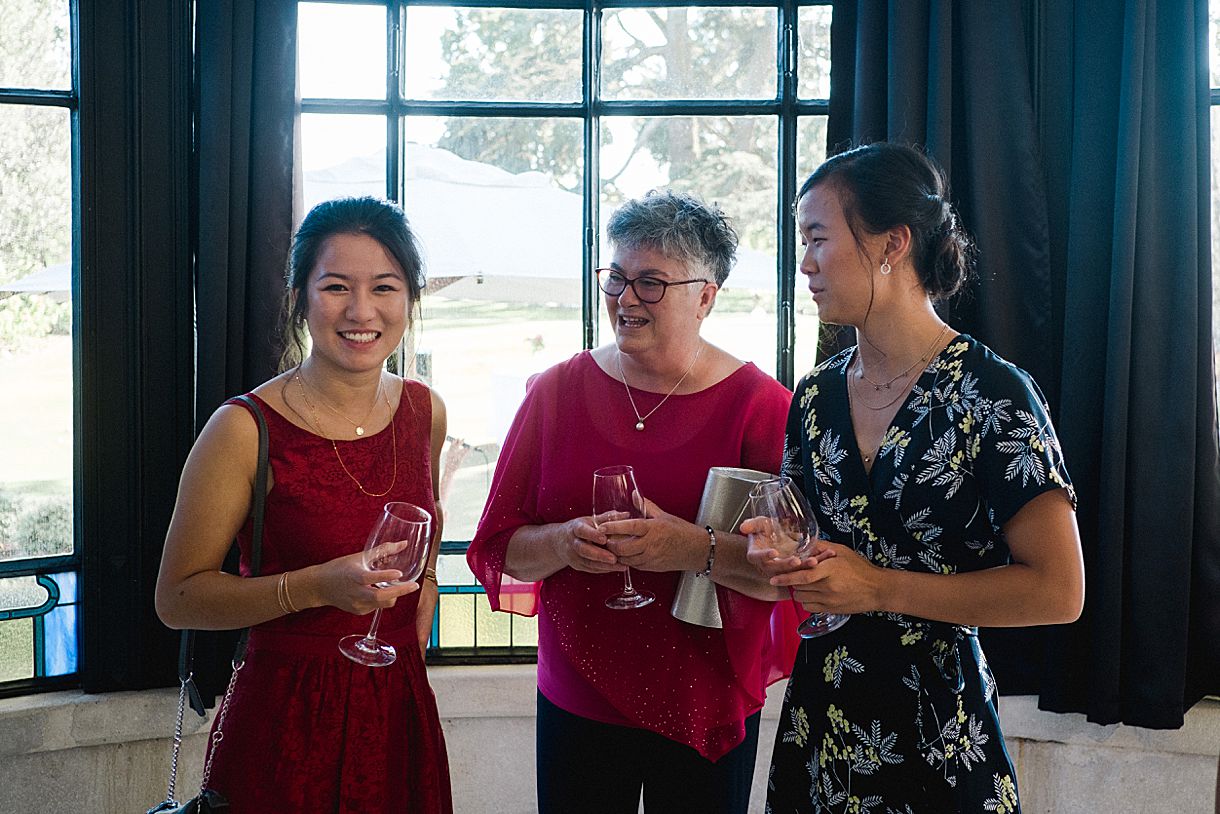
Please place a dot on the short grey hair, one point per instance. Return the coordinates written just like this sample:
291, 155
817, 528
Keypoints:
681, 227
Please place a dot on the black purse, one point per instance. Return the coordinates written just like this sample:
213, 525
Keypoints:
209, 801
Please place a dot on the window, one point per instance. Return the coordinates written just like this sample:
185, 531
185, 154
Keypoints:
1213, 39
38, 560
509, 133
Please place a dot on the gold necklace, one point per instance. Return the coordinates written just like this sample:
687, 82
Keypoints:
318, 426
640, 419
359, 427
924, 357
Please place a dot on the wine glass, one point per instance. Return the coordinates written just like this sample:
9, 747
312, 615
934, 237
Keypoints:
616, 497
399, 541
791, 529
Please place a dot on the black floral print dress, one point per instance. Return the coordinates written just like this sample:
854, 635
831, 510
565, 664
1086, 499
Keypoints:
891, 714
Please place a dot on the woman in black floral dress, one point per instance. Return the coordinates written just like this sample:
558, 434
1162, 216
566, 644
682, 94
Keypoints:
936, 475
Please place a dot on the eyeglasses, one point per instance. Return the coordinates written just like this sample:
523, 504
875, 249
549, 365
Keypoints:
648, 289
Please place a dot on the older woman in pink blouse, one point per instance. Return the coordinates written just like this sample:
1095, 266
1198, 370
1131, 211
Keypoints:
633, 700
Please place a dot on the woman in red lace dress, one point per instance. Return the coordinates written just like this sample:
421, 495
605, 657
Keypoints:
307, 730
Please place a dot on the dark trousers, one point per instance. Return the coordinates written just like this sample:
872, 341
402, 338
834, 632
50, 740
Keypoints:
587, 767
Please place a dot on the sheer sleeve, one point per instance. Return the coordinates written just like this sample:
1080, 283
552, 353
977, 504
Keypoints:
511, 504
761, 636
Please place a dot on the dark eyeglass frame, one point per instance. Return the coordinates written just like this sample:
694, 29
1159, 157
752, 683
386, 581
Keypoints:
665, 284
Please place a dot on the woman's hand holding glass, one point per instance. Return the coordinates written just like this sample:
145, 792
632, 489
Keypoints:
657, 542
345, 583
783, 536
580, 544
397, 544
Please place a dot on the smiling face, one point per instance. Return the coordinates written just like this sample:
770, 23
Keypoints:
357, 303
837, 268
671, 323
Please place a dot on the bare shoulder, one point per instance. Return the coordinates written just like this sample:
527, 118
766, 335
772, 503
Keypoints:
439, 416
229, 439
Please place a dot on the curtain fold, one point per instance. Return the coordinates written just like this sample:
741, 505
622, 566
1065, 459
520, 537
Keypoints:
247, 111
1138, 410
954, 77
1084, 177
246, 73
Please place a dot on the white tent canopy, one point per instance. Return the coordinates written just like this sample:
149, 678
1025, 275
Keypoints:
54, 281
489, 234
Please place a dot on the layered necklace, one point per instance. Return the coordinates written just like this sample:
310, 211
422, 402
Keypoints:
381, 393
917, 366
640, 419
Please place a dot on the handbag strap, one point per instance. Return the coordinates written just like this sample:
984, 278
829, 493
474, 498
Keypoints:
186, 648
188, 691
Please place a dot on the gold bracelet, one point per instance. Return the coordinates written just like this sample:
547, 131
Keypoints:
282, 595
430, 575
287, 596
279, 594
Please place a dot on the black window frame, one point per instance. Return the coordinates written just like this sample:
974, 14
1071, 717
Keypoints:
786, 106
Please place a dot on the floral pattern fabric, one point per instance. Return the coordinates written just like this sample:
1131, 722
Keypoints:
892, 714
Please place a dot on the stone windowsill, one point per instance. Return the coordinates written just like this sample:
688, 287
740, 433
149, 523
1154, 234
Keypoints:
65, 720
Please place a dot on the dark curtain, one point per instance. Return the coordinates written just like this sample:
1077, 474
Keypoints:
246, 68
1083, 175
1126, 125
954, 77
247, 114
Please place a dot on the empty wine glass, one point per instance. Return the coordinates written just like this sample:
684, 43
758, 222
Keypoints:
399, 541
616, 497
789, 527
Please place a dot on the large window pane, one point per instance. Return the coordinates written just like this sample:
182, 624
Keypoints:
35, 46
1213, 42
1215, 125
730, 161
342, 155
35, 332
341, 51
492, 54
810, 152
492, 203
813, 65
689, 53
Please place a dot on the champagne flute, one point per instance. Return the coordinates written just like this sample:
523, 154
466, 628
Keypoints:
791, 528
399, 541
616, 497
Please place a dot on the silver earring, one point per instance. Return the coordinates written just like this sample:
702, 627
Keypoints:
886, 268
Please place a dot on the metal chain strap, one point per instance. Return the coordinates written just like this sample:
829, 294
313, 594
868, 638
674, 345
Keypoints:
173, 757
218, 735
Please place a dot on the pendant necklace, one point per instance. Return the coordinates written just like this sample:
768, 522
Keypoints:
334, 446
640, 419
359, 427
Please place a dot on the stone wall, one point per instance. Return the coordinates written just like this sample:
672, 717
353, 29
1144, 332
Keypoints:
68, 752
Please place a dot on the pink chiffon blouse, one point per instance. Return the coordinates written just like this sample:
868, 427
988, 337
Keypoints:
640, 668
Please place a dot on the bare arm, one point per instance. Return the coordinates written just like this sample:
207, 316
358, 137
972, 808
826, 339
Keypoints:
1043, 585
213, 503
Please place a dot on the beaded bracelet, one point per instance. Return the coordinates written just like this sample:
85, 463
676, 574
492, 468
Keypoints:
711, 553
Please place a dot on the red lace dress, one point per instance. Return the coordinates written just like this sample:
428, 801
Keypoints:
308, 730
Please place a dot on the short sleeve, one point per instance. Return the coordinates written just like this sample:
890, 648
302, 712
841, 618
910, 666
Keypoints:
1016, 452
